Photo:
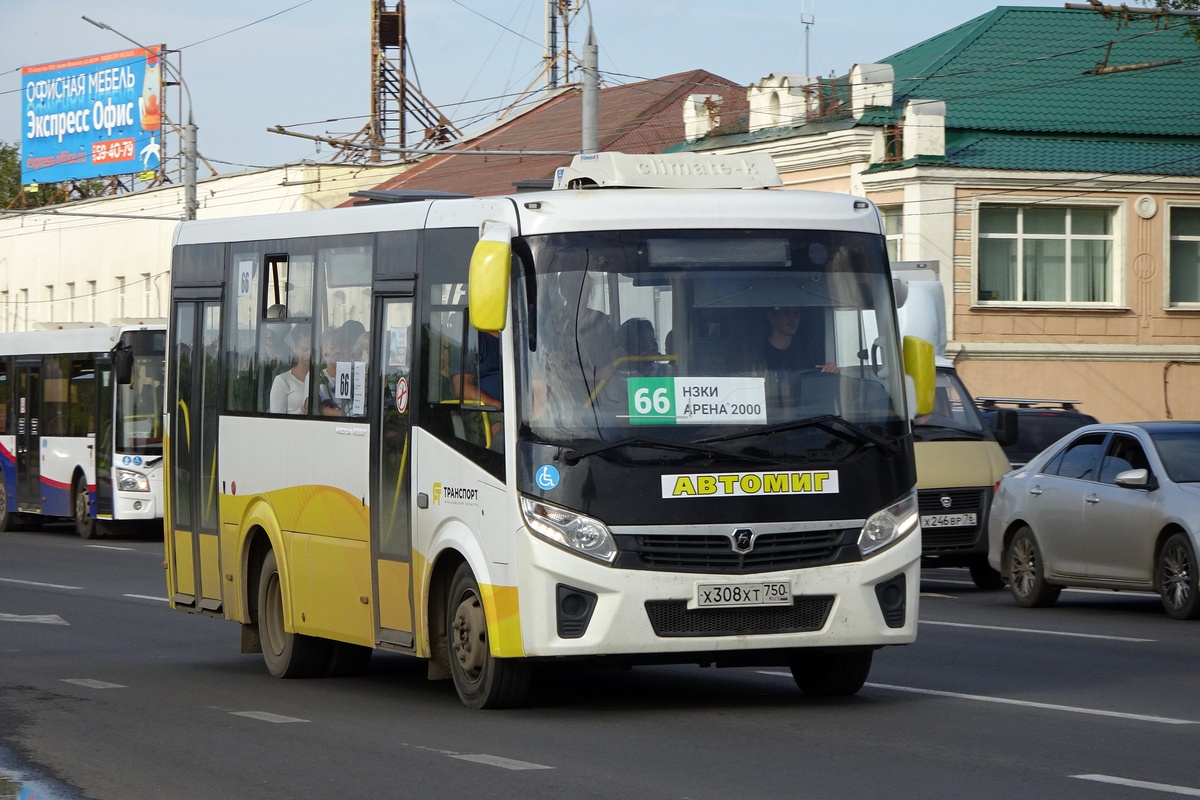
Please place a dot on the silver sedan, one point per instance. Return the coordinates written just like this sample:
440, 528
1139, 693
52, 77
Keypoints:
1107, 506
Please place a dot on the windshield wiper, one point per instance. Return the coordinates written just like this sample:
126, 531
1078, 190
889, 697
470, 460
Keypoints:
572, 455
838, 426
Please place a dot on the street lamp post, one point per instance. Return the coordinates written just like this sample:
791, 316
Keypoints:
189, 130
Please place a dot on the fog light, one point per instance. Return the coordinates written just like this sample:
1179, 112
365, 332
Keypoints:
892, 600
137, 505
575, 607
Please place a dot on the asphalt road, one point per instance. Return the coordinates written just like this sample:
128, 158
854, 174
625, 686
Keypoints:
106, 693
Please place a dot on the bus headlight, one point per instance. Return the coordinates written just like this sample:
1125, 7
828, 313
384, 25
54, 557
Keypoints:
130, 481
568, 529
890, 525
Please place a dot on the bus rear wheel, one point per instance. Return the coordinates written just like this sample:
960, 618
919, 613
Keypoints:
830, 673
8, 520
81, 509
481, 679
287, 655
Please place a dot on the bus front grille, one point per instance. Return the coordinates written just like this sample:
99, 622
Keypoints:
717, 554
674, 618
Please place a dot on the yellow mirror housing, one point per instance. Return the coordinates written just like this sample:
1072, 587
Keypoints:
488, 280
919, 365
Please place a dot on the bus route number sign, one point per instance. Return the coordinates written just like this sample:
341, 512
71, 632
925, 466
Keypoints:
764, 593
697, 401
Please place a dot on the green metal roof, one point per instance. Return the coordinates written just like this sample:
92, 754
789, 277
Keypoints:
1050, 153
1025, 69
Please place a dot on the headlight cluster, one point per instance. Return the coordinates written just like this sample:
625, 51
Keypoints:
890, 525
130, 481
570, 530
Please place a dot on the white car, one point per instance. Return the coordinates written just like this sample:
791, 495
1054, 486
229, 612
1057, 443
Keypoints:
1107, 506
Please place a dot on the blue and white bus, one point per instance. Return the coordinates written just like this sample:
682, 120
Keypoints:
81, 433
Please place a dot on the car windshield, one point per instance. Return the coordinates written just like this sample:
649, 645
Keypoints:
954, 414
1180, 454
680, 336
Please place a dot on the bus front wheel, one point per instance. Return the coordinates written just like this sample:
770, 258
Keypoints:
81, 509
287, 655
830, 673
481, 679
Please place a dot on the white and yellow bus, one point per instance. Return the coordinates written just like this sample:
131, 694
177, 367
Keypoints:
81, 431
494, 432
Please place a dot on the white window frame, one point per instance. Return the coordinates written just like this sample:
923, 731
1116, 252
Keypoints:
1117, 237
895, 212
1169, 208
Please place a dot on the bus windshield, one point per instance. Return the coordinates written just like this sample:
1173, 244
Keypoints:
678, 336
140, 403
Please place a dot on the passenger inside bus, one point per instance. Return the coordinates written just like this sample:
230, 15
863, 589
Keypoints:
289, 390
487, 387
331, 352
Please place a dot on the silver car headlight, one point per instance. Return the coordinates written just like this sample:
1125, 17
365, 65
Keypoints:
890, 525
569, 530
130, 481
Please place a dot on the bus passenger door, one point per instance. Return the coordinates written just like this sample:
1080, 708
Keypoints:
391, 516
193, 524
29, 443
105, 424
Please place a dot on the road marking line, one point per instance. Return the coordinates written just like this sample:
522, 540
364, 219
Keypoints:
1031, 704
266, 716
1035, 630
1158, 787
43, 585
1026, 703
41, 619
146, 597
110, 547
497, 761
93, 684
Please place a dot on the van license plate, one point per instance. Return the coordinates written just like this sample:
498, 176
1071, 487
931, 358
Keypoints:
948, 520
766, 593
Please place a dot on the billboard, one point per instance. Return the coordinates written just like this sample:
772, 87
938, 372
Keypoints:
91, 117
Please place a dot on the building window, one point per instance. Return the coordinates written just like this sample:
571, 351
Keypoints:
147, 287
1045, 254
49, 303
1184, 257
893, 229
91, 287
120, 297
71, 302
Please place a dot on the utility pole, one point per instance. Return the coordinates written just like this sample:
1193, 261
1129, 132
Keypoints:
807, 20
591, 93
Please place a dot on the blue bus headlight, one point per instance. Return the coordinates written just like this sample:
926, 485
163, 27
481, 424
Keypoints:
570, 530
890, 525
130, 481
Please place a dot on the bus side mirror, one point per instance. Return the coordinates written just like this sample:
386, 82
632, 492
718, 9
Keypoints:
1005, 427
487, 287
122, 358
919, 365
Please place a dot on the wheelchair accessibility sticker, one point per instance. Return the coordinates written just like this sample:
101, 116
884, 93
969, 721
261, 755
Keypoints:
546, 477
135, 461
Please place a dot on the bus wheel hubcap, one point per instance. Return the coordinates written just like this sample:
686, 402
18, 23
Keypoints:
469, 636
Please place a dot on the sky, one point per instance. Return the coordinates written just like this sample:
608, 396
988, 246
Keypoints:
251, 65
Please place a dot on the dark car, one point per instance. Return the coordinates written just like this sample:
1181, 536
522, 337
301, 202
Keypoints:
1040, 423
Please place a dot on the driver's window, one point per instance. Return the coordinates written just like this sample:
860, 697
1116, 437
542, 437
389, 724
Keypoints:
1124, 453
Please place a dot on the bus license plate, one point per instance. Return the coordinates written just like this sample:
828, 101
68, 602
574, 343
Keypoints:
947, 520
766, 593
